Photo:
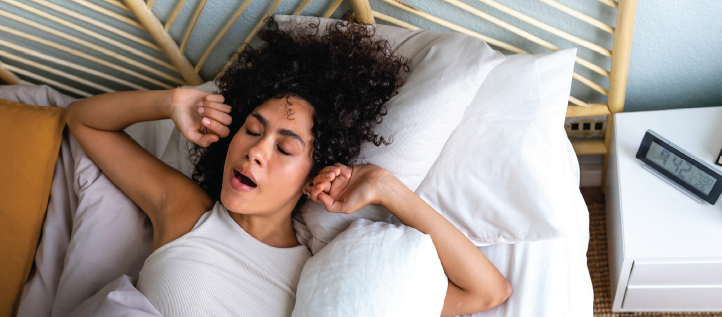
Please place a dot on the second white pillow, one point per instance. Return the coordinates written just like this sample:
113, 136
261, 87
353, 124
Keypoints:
503, 175
373, 269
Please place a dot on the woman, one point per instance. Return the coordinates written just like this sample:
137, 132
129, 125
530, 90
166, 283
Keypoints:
290, 120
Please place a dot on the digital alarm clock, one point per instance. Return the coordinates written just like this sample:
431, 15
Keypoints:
682, 170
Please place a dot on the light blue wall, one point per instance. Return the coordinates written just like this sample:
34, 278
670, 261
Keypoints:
676, 58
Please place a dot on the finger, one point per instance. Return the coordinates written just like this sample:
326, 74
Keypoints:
315, 191
215, 105
327, 173
327, 169
215, 98
326, 186
327, 177
332, 205
220, 129
214, 114
344, 170
203, 140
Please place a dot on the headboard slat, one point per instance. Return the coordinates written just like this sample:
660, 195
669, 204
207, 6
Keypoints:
118, 4
396, 21
590, 84
301, 7
174, 15
85, 31
610, 3
70, 65
528, 36
545, 27
362, 11
220, 34
622, 46
581, 16
501, 44
55, 71
503, 24
97, 23
7, 76
110, 13
577, 103
81, 55
591, 110
165, 41
332, 8
192, 25
253, 33
456, 28
48, 81
596, 68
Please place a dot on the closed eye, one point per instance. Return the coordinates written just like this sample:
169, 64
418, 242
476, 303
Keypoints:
279, 148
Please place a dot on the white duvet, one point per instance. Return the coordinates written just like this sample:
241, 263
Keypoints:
549, 278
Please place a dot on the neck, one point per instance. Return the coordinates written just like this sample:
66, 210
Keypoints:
274, 230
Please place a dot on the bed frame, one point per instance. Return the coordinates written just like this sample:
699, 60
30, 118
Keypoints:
362, 12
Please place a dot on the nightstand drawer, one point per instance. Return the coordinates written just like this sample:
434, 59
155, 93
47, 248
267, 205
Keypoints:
680, 299
676, 273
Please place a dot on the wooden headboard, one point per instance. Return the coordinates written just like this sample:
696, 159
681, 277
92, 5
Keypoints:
363, 12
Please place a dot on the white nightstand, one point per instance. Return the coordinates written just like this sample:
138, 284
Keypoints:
665, 249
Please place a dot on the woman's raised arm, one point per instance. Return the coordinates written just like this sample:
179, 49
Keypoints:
97, 123
474, 282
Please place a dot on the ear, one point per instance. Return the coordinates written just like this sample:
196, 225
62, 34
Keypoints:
307, 186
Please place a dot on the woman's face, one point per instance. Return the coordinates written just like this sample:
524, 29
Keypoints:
273, 149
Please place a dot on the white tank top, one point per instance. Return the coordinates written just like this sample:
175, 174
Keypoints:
218, 269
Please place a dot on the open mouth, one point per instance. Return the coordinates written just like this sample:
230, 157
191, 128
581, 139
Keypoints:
244, 179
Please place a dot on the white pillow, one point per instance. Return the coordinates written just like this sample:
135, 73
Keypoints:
503, 175
373, 269
447, 70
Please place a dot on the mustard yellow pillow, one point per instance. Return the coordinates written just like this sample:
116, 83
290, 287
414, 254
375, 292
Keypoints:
30, 139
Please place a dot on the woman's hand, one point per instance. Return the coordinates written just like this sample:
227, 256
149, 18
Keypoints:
344, 189
201, 117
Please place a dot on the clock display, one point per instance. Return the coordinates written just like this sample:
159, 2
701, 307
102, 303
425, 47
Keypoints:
680, 168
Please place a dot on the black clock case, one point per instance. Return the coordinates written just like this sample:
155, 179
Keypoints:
651, 136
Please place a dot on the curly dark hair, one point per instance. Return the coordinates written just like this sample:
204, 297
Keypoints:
345, 74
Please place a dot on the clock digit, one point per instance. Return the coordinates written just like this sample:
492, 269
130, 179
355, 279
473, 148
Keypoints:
682, 171
677, 164
700, 181
662, 154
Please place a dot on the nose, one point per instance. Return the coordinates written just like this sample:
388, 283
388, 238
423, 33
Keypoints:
258, 153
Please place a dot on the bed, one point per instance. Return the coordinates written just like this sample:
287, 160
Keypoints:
549, 277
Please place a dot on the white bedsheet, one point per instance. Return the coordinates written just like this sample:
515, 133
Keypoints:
549, 278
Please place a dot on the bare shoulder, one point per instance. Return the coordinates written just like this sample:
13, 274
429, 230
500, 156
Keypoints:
184, 205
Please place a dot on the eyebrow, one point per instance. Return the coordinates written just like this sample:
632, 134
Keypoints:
283, 132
